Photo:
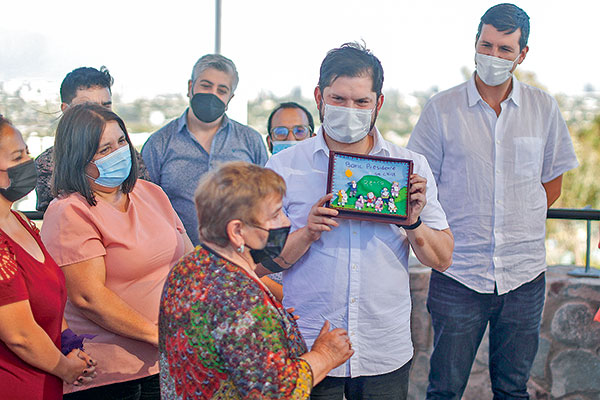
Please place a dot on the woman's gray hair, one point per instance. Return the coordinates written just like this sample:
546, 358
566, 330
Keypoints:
218, 62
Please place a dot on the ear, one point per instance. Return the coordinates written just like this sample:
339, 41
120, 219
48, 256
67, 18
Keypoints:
63, 107
92, 171
318, 97
269, 143
523, 54
234, 230
379, 102
190, 89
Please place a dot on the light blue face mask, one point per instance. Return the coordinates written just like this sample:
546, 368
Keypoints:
279, 145
114, 168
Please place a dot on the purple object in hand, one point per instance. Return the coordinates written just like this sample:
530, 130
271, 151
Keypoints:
69, 341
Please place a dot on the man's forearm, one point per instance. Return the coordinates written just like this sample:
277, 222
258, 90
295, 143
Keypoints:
433, 248
297, 243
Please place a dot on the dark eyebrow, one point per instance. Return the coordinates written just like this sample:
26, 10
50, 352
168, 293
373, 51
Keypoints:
107, 103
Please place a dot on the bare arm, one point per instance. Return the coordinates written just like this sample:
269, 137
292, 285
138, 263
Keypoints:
274, 287
553, 189
320, 219
23, 336
87, 291
433, 248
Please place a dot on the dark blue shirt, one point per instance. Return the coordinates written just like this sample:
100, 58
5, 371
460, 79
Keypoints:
176, 161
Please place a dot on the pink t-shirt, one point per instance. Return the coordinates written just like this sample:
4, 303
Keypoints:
139, 247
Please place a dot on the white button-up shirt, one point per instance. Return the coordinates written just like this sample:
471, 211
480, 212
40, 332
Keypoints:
489, 170
355, 276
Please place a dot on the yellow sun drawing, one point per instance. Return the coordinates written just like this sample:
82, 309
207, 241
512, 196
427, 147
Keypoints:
348, 173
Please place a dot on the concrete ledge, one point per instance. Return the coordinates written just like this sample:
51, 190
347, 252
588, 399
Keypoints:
567, 366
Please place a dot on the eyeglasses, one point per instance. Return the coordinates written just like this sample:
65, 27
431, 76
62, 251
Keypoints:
300, 132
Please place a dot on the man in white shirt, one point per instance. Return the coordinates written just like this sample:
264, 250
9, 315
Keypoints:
355, 273
498, 149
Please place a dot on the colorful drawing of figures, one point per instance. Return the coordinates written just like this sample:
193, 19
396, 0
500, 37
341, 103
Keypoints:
379, 205
395, 189
342, 197
370, 199
392, 206
360, 203
385, 194
352, 189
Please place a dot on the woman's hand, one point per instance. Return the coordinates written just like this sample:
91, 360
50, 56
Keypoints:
331, 349
334, 345
79, 368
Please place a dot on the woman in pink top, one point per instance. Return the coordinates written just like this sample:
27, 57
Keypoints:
115, 239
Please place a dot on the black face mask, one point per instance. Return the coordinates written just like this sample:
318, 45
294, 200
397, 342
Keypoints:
23, 178
207, 107
274, 246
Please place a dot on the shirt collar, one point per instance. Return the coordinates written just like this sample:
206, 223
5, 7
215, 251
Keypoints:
380, 146
182, 122
473, 96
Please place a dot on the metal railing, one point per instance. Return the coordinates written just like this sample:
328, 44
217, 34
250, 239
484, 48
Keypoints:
586, 214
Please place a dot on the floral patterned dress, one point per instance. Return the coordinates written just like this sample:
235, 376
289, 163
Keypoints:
223, 336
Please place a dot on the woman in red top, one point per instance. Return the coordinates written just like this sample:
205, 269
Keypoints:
32, 292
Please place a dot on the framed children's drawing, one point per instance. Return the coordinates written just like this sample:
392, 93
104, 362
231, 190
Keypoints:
370, 188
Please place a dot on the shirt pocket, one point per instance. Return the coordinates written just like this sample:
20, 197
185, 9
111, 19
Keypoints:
528, 156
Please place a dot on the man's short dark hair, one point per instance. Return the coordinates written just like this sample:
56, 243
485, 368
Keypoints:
351, 60
75, 144
506, 18
291, 104
84, 78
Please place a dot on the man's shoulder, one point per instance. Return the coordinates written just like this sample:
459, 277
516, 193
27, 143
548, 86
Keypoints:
397, 151
167, 129
242, 129
450, 95
536, 95
162, 135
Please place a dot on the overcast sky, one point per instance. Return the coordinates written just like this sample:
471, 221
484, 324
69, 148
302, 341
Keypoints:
150, 47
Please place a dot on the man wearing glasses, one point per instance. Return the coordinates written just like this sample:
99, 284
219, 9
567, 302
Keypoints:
288, 124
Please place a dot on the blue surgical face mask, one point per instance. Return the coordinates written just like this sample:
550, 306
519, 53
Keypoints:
279, 145
114, 168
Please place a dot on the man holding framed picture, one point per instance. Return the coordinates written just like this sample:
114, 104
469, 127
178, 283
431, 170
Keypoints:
355, 273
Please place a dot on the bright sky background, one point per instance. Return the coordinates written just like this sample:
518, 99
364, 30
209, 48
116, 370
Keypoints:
150, 47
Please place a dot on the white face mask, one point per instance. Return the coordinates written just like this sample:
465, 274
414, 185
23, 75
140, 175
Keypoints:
346, 125
493, 71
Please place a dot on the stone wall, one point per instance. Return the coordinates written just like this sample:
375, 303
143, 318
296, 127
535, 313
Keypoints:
567, 366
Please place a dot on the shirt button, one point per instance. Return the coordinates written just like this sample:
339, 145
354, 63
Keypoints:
352, 333
497, 141
353, 300
354, 232
497, 171
354, 267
